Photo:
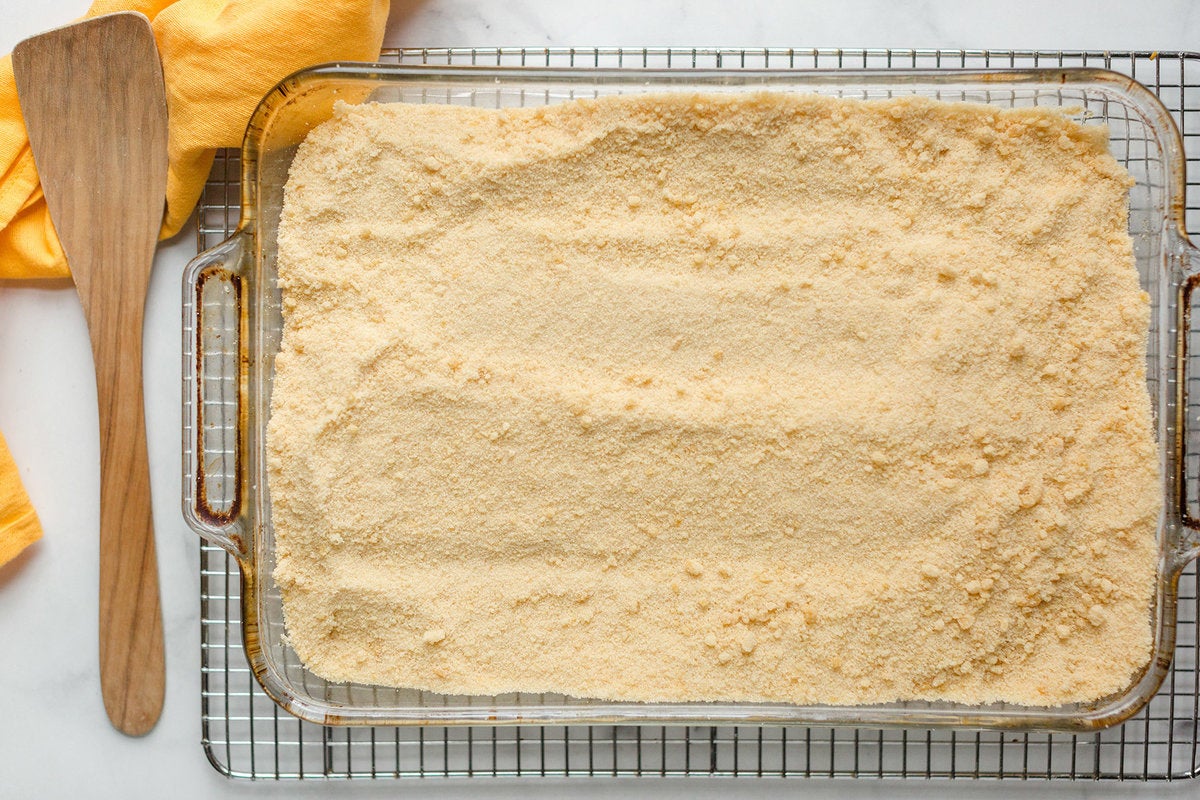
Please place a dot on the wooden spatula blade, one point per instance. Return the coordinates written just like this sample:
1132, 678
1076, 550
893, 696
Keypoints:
94, 104
95, 109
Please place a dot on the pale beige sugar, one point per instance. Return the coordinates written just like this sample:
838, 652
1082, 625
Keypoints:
714, 397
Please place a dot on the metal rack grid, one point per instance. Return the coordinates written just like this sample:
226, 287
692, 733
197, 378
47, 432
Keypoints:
246, 735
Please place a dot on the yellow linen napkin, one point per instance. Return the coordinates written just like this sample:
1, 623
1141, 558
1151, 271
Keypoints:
219, 58
19, 526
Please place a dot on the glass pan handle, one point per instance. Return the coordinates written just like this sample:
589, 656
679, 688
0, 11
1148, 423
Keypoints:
214, 382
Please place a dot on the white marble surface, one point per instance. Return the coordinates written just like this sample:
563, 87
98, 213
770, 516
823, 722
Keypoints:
54, 738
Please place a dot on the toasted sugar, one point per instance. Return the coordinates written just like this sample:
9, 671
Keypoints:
881, 365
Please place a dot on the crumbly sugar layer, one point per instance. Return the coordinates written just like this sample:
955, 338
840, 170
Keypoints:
714, 397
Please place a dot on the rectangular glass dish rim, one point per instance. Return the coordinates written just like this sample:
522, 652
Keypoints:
1175, 547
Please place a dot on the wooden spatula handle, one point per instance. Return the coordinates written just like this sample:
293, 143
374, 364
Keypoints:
131, 634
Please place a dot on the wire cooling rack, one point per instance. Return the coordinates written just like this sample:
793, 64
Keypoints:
246, 735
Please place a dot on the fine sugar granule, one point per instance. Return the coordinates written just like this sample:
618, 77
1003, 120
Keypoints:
714, 397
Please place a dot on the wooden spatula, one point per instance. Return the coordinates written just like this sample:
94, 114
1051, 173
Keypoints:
95, 108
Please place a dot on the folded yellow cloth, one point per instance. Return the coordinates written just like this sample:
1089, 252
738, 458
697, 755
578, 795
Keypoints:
19, 525
219, 58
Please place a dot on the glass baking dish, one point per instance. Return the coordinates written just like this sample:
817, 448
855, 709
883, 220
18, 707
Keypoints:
232, 325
